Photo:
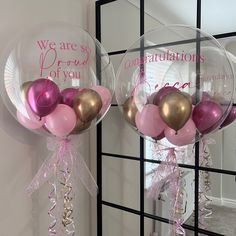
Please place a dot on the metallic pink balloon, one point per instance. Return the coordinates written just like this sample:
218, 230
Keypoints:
230, 118
204, 96
43, 96
162, 92
206, 116
68, 95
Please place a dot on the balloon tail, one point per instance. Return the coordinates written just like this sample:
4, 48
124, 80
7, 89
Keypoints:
68, 208
52, 197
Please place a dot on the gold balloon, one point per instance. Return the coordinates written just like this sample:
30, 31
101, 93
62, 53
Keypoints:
24, 89
175, 110
130, 110
80, 126
87, 105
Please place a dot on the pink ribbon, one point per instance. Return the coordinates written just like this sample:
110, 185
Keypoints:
204, 186
167, 177
63, 151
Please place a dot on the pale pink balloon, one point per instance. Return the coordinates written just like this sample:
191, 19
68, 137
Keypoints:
149, 122
184, 136
31, 114
105, 96
28, 122
61, 121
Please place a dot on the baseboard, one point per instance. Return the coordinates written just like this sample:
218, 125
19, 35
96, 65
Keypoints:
223, 202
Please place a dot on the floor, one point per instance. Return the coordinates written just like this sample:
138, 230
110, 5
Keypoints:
222, 221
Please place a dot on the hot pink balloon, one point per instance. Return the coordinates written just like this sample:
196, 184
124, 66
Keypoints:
184, 136
204, 96
162, 92
28, 123
231, 117
61, 121
68, 95
206, 116
149, 122
105, 96
43, 96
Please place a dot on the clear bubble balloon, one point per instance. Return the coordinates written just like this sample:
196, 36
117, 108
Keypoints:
185, 75
54, 64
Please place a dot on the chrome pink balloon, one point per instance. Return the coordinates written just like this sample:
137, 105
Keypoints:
67, 96
206, 116
204, 96
61, 121
231, 117
184, 136
43, 96
162, 92
149, 122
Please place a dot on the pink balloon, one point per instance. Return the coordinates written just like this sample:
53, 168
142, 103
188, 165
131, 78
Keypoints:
67, 96
61, 121
231, 117
149, 122
105, 96
207, 116
160, 136
184, 136
43, 96
28, 122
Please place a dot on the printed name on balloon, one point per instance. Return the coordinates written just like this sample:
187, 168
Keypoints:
51, 65
165, 56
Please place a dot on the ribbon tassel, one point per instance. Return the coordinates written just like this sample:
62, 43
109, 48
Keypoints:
64, 162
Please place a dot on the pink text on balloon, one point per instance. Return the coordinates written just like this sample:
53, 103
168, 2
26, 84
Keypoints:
49, 60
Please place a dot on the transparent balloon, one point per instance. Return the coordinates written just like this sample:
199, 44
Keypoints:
175, 82
57, 75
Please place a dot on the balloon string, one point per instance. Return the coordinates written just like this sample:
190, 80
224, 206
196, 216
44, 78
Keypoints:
205, 211
52, 198
67, 215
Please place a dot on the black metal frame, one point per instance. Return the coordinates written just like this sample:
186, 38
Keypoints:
141, 159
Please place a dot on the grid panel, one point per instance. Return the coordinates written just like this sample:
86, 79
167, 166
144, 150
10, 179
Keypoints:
141, 213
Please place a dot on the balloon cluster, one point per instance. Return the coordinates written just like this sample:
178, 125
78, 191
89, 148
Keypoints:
174, 88
171, 114
61, 113
57, 80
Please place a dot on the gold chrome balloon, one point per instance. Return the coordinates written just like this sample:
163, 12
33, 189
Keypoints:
23, 90
87, 105
80, 126
130, 110
175, 110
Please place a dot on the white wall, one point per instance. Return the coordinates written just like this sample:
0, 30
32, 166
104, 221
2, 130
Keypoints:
23, 152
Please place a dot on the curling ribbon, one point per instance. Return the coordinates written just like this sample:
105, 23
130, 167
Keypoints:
52, 197
167, 177
63, 161
205, 184
63, 149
